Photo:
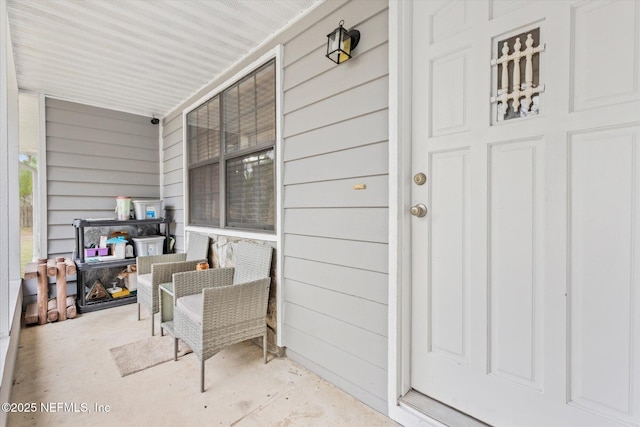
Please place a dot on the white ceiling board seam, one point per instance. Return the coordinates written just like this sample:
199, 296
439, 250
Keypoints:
92, 43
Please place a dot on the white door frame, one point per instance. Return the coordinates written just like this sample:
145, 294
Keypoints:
399, 332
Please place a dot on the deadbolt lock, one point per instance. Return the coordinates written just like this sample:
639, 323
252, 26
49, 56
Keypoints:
419, 210
420, 178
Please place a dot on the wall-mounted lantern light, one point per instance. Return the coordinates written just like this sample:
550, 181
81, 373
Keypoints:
340, 43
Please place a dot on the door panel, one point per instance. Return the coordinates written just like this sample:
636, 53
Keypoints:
448, 19
604, 235
593, 58
449, 263
516, 239
449, 74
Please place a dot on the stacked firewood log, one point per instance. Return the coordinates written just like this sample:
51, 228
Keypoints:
61, 307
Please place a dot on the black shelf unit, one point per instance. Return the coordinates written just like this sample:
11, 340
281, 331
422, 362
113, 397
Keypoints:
83, 266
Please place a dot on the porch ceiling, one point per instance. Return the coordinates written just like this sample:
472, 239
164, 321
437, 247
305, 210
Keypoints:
144, 56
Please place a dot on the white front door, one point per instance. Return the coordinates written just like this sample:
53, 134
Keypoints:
526, 268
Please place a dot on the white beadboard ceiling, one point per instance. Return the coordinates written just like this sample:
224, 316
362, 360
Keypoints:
138, 56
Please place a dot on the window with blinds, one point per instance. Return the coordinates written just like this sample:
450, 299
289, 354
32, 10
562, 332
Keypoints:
231, 155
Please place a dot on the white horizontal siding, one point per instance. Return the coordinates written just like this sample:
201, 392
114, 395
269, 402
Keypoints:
363, 284
336, 206
83, 134
338, 193
361, 224
365, 314
93, 119
100, 148
322, 327
66, 217
94, 155
102, 112
361, 162
361, 379
361, 72
171, 165
172, 150
88, 189
355, 132
369, 97
62, 159
85, 173
173, 124
363, 255
173, 176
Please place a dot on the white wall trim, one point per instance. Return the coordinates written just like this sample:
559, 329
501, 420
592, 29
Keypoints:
185, 184
398, 168
279, 53
43, 222
399, 331
102, 106
10, 282
9, 346
4, 174
232, 232
161, 157
39, 185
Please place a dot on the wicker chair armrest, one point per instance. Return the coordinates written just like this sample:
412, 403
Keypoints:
144, 262
228, 309
163, 272
193, 282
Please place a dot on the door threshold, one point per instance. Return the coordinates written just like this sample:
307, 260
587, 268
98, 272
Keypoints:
438, 411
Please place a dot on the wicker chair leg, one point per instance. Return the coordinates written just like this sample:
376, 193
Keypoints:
175, 349
153, 330
264, 347
138, 311
202, 376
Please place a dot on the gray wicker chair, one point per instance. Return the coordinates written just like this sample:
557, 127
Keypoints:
219, 307
158, 269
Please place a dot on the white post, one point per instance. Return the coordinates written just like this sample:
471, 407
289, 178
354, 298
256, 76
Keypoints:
515, 94
505, 68
4, 179
503, 93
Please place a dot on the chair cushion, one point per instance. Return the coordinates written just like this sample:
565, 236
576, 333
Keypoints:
191, 305
144, 280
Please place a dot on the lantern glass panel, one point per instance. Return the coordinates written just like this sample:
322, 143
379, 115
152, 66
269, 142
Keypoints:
334, 41
346, 49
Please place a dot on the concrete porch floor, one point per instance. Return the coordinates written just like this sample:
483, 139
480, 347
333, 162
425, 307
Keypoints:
70, 363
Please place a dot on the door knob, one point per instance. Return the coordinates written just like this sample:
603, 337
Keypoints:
419, 210
420, 178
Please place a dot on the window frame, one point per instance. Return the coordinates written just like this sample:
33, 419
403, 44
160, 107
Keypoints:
250, 233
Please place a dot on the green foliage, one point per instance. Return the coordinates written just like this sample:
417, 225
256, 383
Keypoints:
26, 183
26, 179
